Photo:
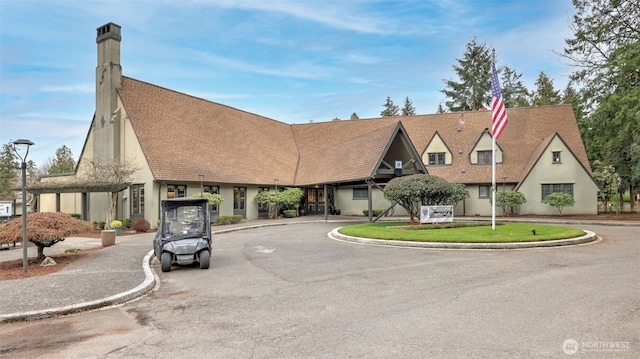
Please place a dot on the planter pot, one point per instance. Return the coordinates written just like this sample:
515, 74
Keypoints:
108, 237
118, 231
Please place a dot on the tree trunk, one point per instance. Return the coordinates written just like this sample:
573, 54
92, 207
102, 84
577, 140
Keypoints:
632, 198
41, 252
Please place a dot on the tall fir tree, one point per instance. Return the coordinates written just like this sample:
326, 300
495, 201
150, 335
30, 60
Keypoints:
389, 109
545, 94
514, 92
408, 109
9, 167
354, 116
472, 91
63, 162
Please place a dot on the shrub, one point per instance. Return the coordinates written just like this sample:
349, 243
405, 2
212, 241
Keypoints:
101, 224
236, 218
140, 225
290, 213
126, 222
76, 215
559, 200
115, 224
376, 212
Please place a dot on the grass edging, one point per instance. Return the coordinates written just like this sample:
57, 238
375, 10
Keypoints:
586, 238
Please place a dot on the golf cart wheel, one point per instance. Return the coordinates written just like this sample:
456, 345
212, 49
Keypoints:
165, 261
205, 259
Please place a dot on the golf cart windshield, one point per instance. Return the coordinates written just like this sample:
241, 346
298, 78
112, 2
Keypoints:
184, 221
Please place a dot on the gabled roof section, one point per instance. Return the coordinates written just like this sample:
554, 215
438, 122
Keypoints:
526, 129
183, 136
356, 157
537, 156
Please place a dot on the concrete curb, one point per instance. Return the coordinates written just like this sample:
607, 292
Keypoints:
588, 237
144, 287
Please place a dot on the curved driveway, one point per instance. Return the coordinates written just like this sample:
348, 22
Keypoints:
290, 291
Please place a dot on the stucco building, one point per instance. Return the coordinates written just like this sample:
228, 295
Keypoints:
181, 144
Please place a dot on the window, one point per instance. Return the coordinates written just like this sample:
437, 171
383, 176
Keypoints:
360, 193
436, 158
214, 190
548, 189
556, 157
137, 198
484, 157
484, 191
176, 191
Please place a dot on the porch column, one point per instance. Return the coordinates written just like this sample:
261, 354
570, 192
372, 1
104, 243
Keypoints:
326, 203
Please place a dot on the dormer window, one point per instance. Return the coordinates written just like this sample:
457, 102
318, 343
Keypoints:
484, 157
436, 159
556, 157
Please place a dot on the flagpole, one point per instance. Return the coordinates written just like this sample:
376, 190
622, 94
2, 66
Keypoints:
493, 155
493, 184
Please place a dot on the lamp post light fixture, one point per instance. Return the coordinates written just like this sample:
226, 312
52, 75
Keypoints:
201, 184
276, 181
23, 144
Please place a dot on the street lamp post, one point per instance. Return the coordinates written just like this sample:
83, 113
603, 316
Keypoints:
276, 181
617, 176
23, 144
201, 184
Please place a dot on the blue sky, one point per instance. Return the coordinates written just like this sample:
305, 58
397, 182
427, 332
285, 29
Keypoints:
293, 61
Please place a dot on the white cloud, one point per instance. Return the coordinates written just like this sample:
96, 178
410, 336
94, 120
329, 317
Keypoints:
77, 88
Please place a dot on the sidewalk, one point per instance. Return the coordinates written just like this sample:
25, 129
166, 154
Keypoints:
112, 275
121, 272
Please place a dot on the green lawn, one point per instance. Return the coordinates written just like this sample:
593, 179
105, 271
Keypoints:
508, 232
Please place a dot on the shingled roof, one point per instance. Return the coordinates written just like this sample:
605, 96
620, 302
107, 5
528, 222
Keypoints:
529, 129
182, 136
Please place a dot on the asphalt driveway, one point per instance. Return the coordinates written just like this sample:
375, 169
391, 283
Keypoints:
290, 291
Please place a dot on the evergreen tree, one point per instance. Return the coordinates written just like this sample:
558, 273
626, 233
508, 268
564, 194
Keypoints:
9, 167
473, 91
408, 109
514, 92
440, 108
545, 94
605, 50
571, 97
63, 162
389, 109
354, 116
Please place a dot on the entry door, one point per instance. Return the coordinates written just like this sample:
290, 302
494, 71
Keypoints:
239, 201
315, 200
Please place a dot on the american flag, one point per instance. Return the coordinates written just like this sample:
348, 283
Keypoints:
499, 119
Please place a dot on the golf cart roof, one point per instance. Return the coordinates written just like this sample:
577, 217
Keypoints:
183, 201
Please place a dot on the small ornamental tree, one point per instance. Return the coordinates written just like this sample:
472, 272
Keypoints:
460, 193
288, 199
412, 192
44, 229
607, 182
213, 198
509, 201
559, 200
291, 198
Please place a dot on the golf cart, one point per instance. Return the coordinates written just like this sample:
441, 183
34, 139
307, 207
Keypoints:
184, 234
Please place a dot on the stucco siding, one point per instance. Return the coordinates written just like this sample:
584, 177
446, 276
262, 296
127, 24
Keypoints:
568, 171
